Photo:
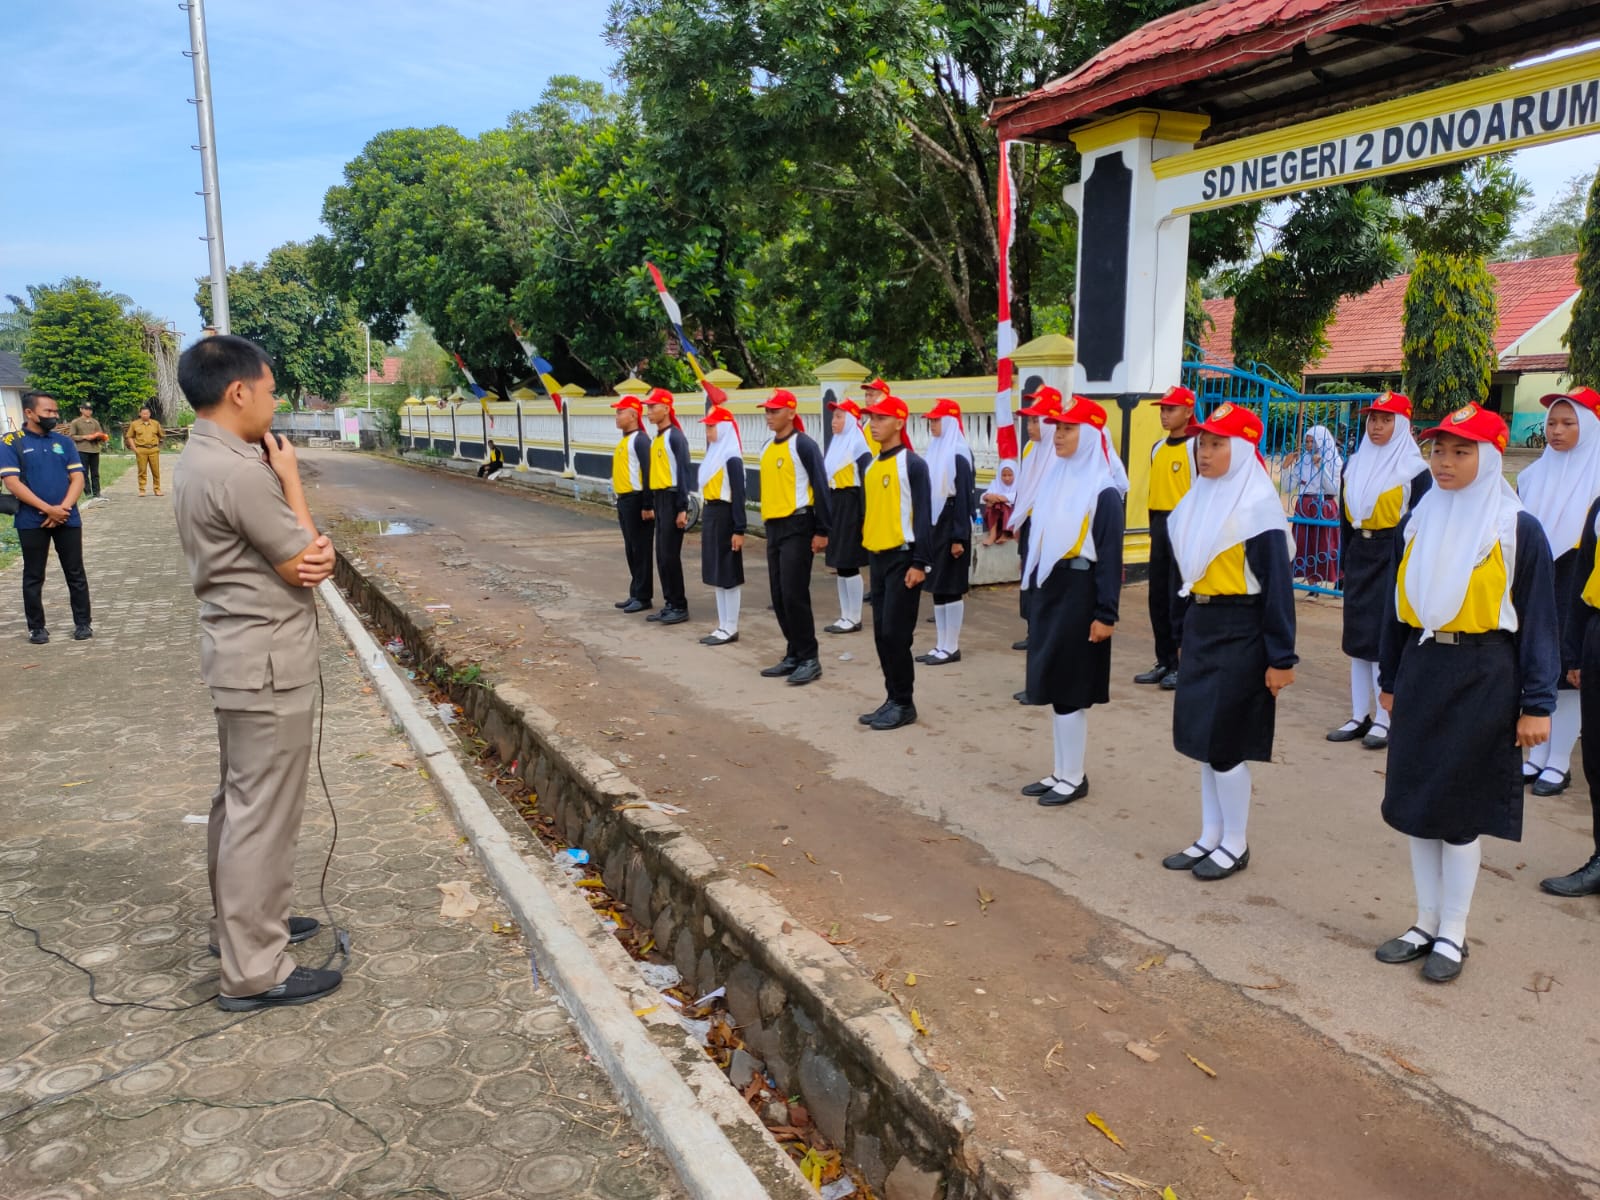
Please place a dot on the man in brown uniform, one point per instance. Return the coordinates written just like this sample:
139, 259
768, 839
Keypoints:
144, 439
253, 554
87, 436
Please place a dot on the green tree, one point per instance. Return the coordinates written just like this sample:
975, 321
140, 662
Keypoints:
315, 340
1555, 230
14, 325
1582, 337
82, 349
424, 366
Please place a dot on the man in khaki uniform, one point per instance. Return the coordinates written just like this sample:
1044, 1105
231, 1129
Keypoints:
253, 553
88, 437
144, 439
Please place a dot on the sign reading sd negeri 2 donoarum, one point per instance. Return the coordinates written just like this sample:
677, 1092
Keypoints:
1499, 112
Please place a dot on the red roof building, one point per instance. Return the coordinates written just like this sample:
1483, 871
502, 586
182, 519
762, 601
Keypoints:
388, 373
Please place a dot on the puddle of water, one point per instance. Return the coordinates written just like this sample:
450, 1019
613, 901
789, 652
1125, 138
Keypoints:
386, 528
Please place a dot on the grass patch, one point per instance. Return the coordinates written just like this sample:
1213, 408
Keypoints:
114, 466
10, 551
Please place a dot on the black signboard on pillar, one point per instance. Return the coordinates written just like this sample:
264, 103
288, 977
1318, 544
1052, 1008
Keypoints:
1103, 268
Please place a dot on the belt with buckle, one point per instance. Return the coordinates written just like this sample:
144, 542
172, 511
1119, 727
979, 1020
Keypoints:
1446, 637
1376, 533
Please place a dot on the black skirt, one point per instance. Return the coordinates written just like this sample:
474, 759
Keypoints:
1223, 713
1454, 768
1066, 669
949, 575
844, 536
1568, 606
1368, 590
720, 564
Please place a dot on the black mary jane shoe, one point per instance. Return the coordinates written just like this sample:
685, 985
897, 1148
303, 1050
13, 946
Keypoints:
1040, 787
719, 639
1210, 872
1542, 787
1528, 776
1441, 968
1183, 860
842, 626
1056, 797
940, 660
1351, 730
1585, 881
1377, 738
1154, 675
1399, 950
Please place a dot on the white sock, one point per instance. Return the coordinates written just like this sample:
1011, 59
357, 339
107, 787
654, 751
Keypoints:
952, 624
1426, 859
939, 622
722, 609
1564, 727
1361, 705
843, 585
1072, 737
1210, 811
730, 618
1380, 718
1233, 796
858, 587
1459, 877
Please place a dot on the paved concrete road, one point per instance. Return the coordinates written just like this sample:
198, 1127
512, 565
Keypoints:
1344, 1078
438, 1067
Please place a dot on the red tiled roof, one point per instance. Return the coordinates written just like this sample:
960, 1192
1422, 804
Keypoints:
1364, 338
1529, 364
388, 373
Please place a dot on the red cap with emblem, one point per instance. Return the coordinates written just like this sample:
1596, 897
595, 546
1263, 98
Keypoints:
782, 398
629, 402
1046, 400
660, 396
1080, 410
1230, 420
1175, 397
877, 385
719, 416
889, 406
944, 408
1475, 423
1587, 397
1391, 402
848, 405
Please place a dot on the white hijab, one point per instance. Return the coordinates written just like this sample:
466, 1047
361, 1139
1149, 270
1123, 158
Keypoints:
844, 448
941, 455
1450, 533
1033, 467
999, 487
1323, 478
1217, 514
1559, 488
1068, 494
721, 449
1374, 470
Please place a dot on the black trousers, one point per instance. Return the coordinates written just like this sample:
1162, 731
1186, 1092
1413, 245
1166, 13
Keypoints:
789, 574
91, 471
1163, 590
669, 550
636, 539
1024, 595
35, 554
894, 622
1589, 706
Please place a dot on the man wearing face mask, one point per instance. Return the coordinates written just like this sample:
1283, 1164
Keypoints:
42, 470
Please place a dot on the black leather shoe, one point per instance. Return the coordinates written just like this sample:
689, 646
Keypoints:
895, 716
1022, 644
842, 626
1441, 968
719, 639
1040, 787
302, 987
869, 718
1183, 860
1377, 738
1585, 881
1154, 675
659, 616
1169, 682
82, 633
1062, 794
777, 670
39, 636
634, 606
1209, 871
674, 616
1399, 950
300, 929
1349, 732
1543, 787
940, 660
807, 672
623, 603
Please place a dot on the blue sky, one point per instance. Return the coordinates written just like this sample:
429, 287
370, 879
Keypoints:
100, 179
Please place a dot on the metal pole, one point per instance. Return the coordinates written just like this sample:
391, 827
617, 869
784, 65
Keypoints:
368, 328
208, 162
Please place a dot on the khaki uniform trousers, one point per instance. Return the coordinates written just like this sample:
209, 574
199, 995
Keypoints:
265, 739
148, 460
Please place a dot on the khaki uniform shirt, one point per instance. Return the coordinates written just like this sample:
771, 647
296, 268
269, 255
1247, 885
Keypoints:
82, 430
235, 526
146, 435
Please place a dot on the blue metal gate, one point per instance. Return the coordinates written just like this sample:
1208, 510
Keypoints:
1306, 439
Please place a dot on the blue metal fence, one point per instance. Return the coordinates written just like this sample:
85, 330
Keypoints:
1306, 438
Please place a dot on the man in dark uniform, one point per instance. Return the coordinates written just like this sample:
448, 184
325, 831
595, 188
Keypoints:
88, 437
794, 509
670, 483
41, 469
630, 474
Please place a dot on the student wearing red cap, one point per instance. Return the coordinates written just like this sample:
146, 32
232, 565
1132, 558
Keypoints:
630, 468
1075, 564
1232, 547
722, 522
1470, 658
1044, 401
669, 488
1383, 481
950, 479
794, 509
1171, 472
845, 464
1558, 490
897, 531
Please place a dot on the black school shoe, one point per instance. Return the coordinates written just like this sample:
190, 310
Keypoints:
38, 636
806, 672
938, 660
1377, 738
1398, 950
659, 616
300, 929
1063, 794
719, 639
1349, 732
869, 718
1543, 787
1040, 787
779, 669
894, 716
623, 603
1209, 871
1441, 968
1020, 644
1169, 682
302, 987
1585, 881
671, 616
1183, 860
842, 626
1154, 675
82, 633
633, 606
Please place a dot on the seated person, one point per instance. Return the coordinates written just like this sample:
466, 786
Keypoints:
493, 465
997, 504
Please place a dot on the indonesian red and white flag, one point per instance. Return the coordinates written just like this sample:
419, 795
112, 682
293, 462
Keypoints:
1005, 431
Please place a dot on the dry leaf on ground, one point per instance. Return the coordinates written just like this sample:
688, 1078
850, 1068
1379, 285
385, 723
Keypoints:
1155, 960
1200, 1064
458, 900
1094, 1119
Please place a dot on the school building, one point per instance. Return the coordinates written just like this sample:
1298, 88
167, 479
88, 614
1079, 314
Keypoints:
1535, 300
